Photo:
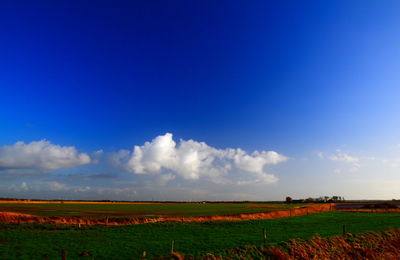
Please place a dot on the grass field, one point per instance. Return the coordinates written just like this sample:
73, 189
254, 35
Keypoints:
32, 241
140, 209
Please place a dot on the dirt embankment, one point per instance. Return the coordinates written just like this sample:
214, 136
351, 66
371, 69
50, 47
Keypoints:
11, 217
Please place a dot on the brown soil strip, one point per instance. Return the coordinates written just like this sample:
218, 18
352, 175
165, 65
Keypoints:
11, 217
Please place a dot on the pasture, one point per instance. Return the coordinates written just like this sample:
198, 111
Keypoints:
140, 209
39, 241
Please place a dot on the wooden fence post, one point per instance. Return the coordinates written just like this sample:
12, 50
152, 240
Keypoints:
63, 254
172, 246
344, 230
265, 235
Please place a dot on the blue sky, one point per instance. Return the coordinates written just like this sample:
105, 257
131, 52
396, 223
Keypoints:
314, 83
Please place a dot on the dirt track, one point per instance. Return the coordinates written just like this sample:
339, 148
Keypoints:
11, 217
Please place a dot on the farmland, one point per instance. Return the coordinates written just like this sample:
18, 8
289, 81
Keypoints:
140, 209
35, 241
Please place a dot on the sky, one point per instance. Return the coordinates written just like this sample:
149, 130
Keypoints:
199, 100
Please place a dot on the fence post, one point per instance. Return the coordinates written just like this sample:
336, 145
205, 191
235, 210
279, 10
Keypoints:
107, 221
172, 246
344, 230
63, 254
265, 235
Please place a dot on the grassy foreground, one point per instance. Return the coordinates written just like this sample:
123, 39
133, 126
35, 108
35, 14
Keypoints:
370, 245
33, 241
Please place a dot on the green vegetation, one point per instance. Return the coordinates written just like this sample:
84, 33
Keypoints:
150, 209
32, 241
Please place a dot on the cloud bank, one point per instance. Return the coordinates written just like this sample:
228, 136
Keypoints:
40, 155
192, 160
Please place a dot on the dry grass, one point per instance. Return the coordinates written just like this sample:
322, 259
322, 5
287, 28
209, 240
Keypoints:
371, 245
384, 245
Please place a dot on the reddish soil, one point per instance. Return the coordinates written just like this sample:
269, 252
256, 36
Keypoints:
11, 217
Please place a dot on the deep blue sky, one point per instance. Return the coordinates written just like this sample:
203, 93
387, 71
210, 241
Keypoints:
296, 77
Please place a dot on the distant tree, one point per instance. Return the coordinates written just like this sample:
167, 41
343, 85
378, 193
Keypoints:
288, 200
309, 200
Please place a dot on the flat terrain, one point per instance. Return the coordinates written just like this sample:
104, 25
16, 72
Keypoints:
140, 209
33, 241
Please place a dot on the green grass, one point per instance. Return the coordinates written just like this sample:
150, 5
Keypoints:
31, 241
163, 209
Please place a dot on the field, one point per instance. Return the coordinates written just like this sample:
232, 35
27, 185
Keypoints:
140, 209
39, 241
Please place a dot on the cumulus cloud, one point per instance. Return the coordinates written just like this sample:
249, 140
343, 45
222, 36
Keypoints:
194, 160
40, 155
97, 156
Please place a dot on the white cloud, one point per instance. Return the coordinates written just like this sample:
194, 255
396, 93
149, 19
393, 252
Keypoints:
40, 155
194, 160
56, 186
96, 157
346, 158
164, 179
24, 186
53, 186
